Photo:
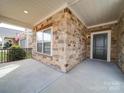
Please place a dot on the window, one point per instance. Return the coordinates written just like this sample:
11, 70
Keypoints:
23, 43
44, 41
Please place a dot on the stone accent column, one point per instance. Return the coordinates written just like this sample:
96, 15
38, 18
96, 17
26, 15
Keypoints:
120, 28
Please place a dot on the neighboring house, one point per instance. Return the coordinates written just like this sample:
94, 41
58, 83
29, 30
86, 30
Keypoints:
1, 42
25, 39
6, 35
63, 41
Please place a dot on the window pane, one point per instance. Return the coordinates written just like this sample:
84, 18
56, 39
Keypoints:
39, 47
23, 43
39, 41
47, 41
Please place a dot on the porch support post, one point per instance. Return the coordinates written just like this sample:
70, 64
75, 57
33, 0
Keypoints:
3, 41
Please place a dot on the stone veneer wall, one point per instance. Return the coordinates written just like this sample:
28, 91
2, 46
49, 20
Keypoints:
113, 39
75, 42
120, 28
68, 41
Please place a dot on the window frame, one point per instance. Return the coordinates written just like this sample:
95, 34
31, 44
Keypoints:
43, 30
25, 43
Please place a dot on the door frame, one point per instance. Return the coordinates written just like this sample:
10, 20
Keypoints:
108, 32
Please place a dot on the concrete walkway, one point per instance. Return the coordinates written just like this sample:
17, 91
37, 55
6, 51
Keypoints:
90, 76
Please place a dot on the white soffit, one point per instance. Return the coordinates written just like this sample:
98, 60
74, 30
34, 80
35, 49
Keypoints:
52, 13
94, 12
90, 12
37, 9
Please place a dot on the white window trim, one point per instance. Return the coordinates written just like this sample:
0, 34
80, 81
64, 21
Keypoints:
42, 44
108, 47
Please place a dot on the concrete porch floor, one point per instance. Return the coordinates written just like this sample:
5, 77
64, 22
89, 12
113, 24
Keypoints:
90, 76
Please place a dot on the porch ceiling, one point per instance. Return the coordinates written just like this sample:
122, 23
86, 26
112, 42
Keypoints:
91, 12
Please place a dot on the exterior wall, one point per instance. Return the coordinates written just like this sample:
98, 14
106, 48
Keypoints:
75, 42
120, 42
113, 39
68, 43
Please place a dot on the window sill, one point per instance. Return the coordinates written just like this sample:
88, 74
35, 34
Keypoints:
43, 54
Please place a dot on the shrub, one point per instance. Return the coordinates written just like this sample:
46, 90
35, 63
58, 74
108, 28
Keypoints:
15, 46
16, 54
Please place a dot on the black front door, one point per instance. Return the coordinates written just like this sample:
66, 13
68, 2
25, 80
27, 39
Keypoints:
100, 46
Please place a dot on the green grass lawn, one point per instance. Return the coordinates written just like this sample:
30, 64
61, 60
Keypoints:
3, 56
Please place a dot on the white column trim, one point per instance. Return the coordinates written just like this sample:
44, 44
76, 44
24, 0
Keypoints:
3, 41
108, 47
27, 38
